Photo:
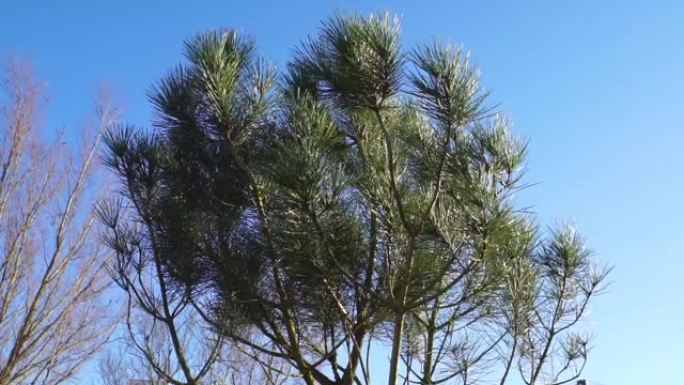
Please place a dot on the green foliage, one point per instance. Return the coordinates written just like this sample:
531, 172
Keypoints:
367, 190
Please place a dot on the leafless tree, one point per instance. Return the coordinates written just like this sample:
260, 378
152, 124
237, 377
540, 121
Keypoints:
113, 367
124, 362
52, 276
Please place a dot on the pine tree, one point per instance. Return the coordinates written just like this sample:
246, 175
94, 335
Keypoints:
364, 197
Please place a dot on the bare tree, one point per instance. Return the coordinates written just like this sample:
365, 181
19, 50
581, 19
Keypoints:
124, 362
113, 367
52, 276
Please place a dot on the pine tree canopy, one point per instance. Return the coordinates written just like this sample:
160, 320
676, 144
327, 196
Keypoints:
364, 196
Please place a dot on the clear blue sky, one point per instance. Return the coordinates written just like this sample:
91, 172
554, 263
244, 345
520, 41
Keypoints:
597, 86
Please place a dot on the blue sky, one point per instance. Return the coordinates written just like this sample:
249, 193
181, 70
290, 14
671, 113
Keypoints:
596, 86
